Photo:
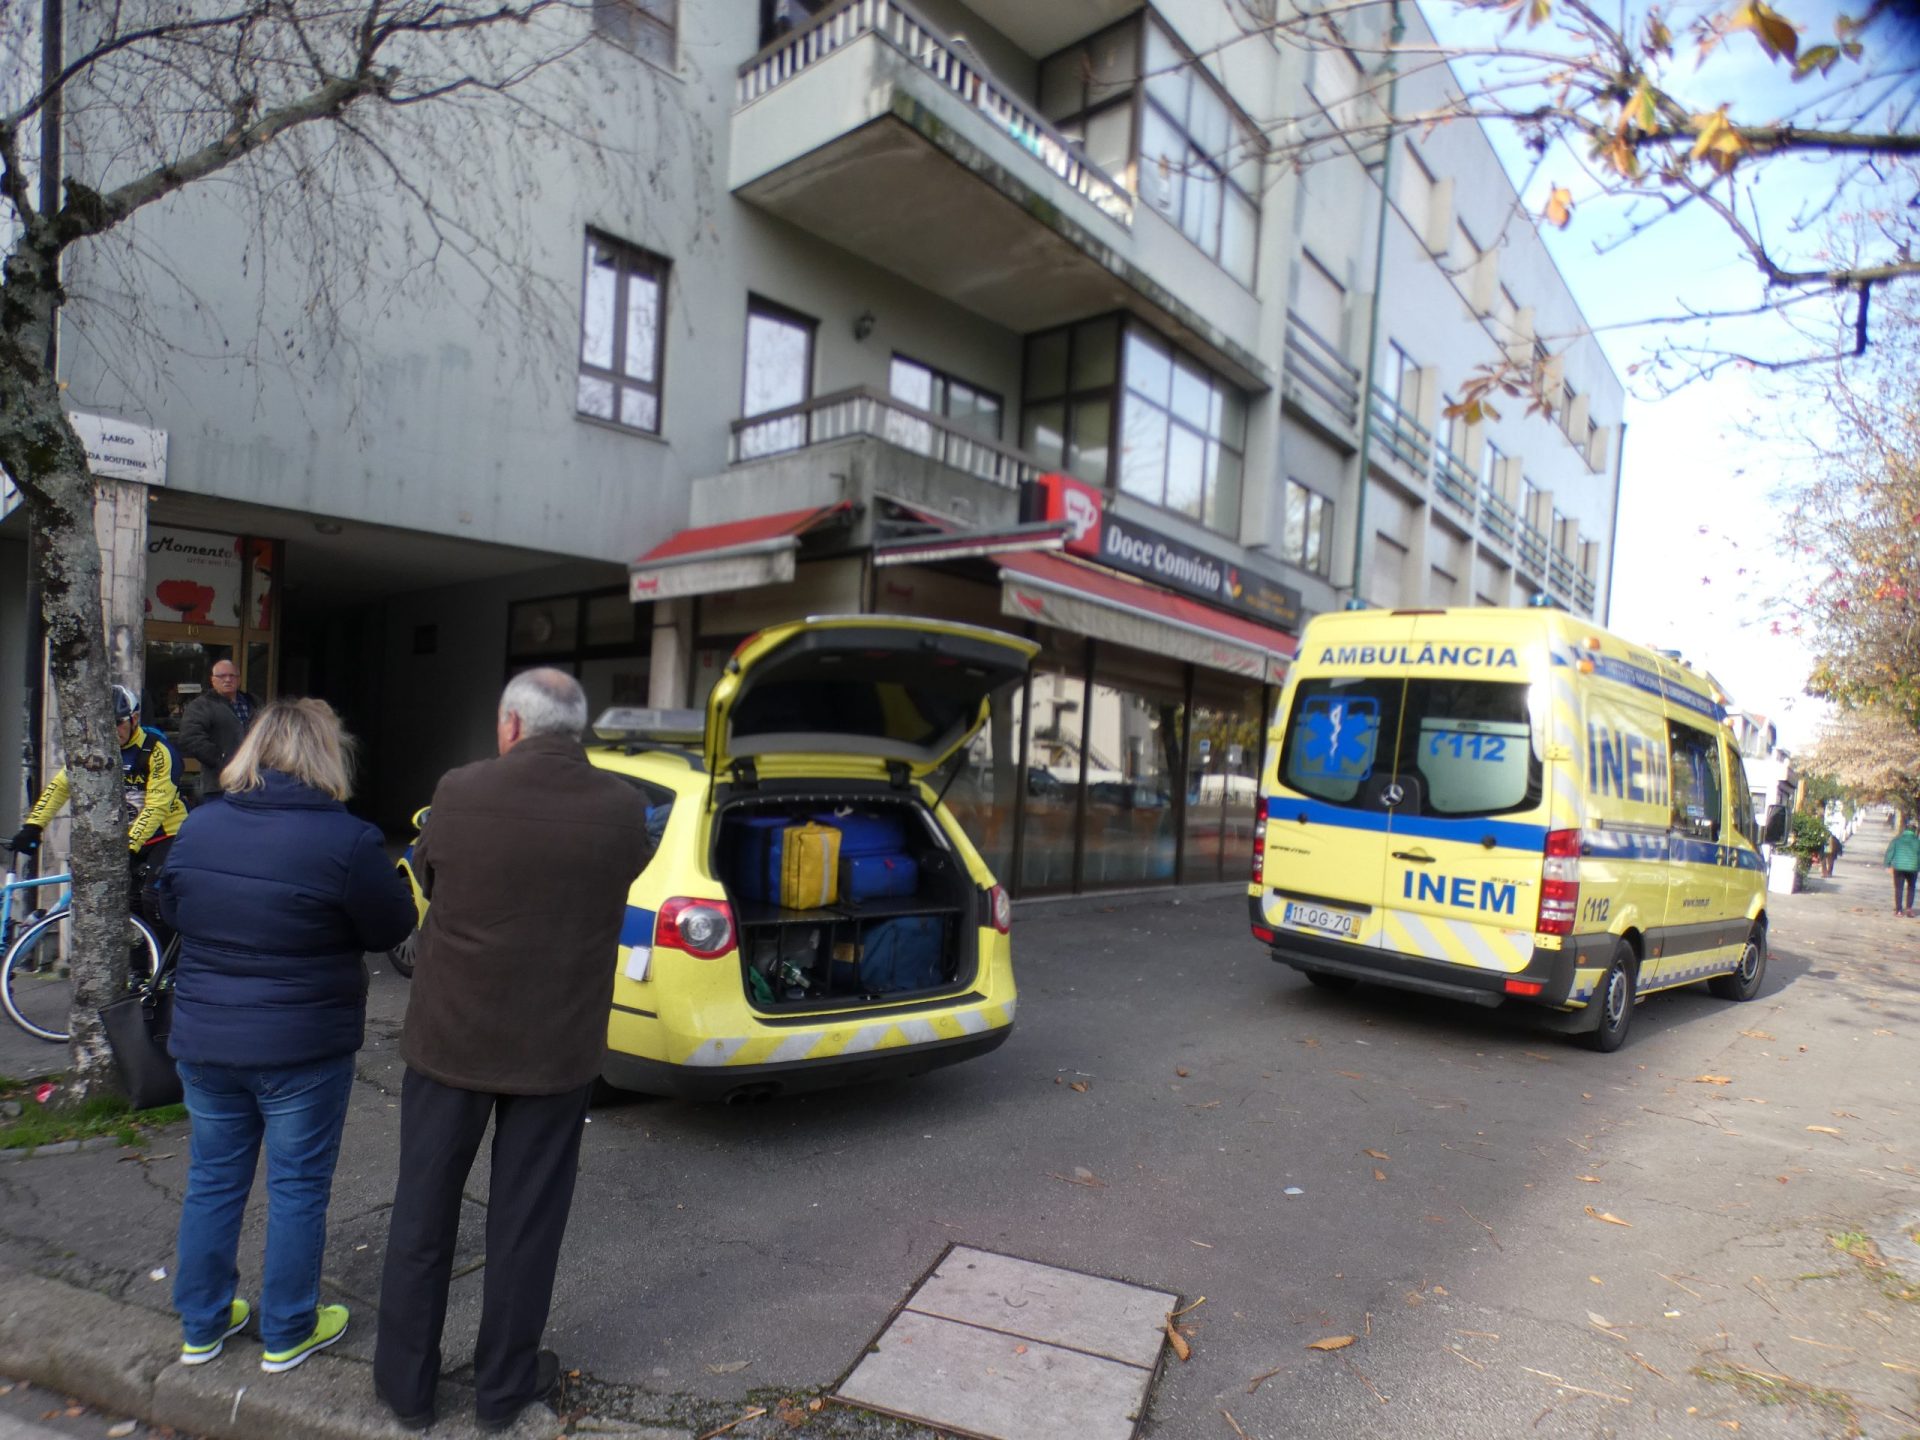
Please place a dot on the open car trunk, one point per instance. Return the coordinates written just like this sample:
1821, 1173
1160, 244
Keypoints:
845, 896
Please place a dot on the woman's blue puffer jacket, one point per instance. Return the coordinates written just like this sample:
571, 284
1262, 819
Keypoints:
277, 893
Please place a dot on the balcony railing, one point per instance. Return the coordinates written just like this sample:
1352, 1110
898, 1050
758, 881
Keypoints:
839, 26
1453, 482
1497, 519
1533, 550
1585, 588
1318, 365
1405, 438
865, 412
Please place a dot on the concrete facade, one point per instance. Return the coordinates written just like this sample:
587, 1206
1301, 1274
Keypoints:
890, 174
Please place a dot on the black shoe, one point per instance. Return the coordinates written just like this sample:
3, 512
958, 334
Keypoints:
546, 1380
421, 1421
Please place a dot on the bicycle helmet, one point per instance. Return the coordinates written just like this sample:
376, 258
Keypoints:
126, 704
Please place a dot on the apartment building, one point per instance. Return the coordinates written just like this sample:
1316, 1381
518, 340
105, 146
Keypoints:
993, 311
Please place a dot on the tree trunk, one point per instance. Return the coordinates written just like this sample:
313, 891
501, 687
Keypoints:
40, 450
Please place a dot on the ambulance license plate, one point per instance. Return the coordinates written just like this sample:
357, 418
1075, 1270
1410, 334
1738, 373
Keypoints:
1327, 920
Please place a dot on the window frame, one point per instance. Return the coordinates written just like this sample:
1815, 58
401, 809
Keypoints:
943, 383
629, 261
1315, 503
637, 18
1124, 394
759, 305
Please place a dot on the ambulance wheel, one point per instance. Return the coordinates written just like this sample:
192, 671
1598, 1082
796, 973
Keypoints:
1337, 984
1614, 999
1744, 983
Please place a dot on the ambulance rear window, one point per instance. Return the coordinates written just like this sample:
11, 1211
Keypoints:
1444, 747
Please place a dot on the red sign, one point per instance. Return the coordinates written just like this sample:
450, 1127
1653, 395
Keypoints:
1079, 505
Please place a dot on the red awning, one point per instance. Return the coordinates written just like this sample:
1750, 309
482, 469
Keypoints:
736, 555
1090, 600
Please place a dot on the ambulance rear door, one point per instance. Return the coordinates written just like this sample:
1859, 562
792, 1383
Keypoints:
1333, 782
1466, 840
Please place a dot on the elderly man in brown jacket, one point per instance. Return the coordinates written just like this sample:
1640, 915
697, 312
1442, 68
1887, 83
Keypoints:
527, 859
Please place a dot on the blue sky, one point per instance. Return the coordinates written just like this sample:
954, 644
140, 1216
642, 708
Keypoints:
1697, 567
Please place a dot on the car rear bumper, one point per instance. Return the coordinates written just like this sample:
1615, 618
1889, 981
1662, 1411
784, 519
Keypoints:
1552, 970
792, 1077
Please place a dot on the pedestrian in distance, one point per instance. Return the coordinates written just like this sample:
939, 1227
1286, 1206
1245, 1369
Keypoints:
526, 860
277, 893
1830, 854
1903, 863
214, 723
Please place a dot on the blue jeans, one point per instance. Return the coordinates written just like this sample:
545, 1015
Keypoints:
299, 1110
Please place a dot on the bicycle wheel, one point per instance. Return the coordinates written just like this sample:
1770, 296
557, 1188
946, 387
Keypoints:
36, 982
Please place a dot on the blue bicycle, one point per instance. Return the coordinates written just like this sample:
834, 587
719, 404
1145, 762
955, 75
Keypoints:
36, 982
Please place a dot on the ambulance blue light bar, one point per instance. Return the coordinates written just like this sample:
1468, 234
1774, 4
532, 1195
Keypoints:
667, 727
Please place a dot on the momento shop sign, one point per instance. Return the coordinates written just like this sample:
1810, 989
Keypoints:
1096, 533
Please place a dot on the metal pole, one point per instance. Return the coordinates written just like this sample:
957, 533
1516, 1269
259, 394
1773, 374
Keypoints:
1613, 540
1373, 309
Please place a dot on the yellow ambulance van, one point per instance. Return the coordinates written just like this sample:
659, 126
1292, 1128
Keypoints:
1506, 807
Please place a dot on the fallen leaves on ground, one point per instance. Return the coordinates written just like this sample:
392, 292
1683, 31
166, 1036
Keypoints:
1608, 1216
1378, 1173
1713, 1079
1080, 1176
1080, 1086
1377, 1154
1181, 1071
1824, 1130
1178, 1341
727, 1367
1756, 1034
1331, 1342
124, 1428
1588, 1179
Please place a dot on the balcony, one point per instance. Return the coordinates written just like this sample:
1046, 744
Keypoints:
1497, 520
1453, 483
1585, 593
1318, 377
870, 129
1400, 435
1533, 550
857, 444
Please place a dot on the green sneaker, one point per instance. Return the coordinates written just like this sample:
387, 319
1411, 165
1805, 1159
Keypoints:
330, 1323
237, 1316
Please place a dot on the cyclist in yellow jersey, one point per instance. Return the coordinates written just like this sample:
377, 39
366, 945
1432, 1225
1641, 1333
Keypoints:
154, 807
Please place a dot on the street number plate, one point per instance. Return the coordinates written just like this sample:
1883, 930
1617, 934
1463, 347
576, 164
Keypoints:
1324, 918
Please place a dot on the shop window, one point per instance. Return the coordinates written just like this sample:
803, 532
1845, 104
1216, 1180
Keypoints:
1135, 745
622, 338
1222, 779
1183, 433
594, 636
982, 788
778, 376
543, 627
1309, 534
1056, 695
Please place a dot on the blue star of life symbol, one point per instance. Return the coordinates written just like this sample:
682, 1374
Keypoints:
1337, 735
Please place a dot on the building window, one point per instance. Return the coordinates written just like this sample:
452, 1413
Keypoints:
967, 407
778, 376
622, 339
1490, 462
1531, 498
1066, 415
1309, 535
641, 27
1194, 157
1402, 378
1183, 433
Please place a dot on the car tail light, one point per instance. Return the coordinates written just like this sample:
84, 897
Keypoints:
1264, 935
702, 928
1260, 840
1000, 909
1525, 987
1560, 883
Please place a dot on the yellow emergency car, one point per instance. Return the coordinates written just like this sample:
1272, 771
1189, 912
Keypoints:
1507, 807
808, 772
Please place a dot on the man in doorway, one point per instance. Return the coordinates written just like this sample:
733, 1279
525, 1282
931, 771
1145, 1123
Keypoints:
526, 860
215, 723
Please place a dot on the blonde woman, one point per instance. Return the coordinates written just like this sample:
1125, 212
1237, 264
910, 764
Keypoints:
277, 893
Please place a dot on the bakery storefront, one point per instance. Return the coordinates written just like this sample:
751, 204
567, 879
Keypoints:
1131, 755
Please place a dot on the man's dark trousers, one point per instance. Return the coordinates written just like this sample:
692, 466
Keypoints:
536, 1152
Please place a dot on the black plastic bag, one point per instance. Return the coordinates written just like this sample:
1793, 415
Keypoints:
137, 1029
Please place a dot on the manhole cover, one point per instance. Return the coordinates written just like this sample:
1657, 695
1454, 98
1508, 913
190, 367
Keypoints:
1007, 1349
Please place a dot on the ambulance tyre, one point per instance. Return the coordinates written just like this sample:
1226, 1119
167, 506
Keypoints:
1335, 984
1744, 983
401, 957
1613, 998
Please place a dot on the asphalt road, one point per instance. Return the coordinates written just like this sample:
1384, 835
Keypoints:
1456, 1169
